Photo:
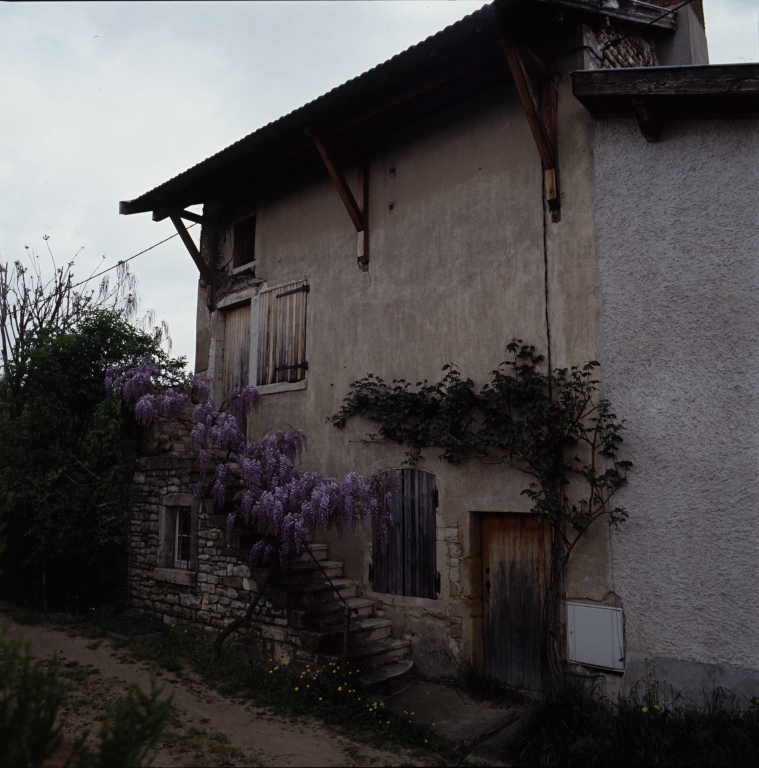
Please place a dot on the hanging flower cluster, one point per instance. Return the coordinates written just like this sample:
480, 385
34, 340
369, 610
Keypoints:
278, 500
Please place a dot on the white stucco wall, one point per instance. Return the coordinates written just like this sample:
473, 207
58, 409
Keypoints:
678, 275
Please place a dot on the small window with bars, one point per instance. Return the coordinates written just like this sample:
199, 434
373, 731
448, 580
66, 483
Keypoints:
182, 538
282, 334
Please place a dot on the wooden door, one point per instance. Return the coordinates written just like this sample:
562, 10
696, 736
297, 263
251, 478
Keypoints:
515, 557
408, 565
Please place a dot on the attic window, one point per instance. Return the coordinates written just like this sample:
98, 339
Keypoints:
244, 242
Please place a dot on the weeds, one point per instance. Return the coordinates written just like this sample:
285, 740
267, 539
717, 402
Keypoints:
569, 725
334, 696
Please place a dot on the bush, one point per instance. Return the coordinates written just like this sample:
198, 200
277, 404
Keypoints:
30, 695
570, 725
66, 456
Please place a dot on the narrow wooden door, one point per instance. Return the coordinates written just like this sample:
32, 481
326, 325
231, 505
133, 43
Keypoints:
407, 565
515, 557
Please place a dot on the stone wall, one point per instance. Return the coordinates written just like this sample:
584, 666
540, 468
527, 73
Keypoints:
218, 584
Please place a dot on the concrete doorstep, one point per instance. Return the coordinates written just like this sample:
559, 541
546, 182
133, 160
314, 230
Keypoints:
477, 728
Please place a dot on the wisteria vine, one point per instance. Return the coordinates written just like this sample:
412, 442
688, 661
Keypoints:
273, 498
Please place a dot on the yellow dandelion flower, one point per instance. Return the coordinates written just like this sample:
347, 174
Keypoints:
412, 714
339, 687
657, 707
425, 741
296, 689
320, 698
644, 709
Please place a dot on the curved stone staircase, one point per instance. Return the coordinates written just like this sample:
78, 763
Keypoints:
312, 608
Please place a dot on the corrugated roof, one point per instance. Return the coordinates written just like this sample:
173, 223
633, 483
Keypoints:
145, 201
195, 184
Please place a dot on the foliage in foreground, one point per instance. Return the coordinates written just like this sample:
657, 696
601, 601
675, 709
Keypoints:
66, 453
333, 695
31, 694
568, 725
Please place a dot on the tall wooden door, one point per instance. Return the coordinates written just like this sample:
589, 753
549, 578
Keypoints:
407, 565
515, 557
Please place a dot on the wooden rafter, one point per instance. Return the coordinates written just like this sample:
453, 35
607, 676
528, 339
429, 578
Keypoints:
189, 215
541, 116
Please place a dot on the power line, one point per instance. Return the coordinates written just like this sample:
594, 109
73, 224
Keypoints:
124, 261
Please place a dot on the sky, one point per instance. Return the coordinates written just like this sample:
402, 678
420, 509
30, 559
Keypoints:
102, 101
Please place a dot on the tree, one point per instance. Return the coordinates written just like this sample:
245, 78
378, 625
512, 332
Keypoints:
66, 445
550, 426
272, 499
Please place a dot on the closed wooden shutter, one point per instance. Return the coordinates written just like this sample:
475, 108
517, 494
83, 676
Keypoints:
282, 334
408, 565
236, 348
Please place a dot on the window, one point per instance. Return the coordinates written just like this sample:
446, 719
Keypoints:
282, 334
244, 242
182, 538
408, 566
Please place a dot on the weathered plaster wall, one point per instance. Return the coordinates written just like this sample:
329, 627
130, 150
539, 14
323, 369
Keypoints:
677, 227
459, 252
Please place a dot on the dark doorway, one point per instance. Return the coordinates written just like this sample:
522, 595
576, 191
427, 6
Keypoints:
515, 556
407, 566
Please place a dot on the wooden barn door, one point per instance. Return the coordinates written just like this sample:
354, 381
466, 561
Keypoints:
515, 557
407, 566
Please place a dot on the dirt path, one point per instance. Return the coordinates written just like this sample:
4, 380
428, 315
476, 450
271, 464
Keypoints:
207, 728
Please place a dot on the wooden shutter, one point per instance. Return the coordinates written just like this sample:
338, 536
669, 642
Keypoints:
236, 348
282, 334
408, 566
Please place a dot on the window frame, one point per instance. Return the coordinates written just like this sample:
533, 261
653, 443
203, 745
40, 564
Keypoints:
178, 535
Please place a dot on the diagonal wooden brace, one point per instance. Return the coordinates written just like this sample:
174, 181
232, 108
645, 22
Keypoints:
543, 119
358, 210
354, 211
203, 268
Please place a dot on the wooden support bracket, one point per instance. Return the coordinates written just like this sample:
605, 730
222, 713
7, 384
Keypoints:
650, 120
205, 271
542, 115
358, 210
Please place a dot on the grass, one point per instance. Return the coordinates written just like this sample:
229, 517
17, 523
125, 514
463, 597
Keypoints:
569, 725
331, 694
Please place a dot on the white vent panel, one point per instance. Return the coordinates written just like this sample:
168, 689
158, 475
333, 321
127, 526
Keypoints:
595, 636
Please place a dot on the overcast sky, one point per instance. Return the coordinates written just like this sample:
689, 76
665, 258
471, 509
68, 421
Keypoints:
100, 102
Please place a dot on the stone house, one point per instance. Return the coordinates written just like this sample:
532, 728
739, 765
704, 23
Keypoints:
546, 170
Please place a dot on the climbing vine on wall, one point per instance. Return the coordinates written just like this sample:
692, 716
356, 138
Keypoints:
553, 427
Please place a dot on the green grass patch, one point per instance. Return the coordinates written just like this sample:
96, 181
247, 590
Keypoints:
332, 694
570, 725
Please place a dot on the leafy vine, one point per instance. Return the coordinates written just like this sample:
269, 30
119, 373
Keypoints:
553, 427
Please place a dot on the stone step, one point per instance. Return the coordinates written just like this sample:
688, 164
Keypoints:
388, 678
319, 552
362, 631
328, 613
304, 572
371, 654
302, 595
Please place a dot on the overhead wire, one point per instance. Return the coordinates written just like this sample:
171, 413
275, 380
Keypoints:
124, 261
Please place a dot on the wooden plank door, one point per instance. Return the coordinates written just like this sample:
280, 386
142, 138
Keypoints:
408, 565
515, 557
